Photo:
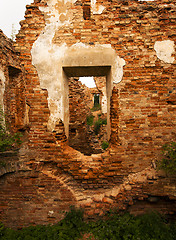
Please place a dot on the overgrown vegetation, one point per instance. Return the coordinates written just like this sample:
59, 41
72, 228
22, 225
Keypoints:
69, 228
96, 107
8, 141
117, 227
104, 145
90, 120
168, 162
98, 124
146, 227
2, 164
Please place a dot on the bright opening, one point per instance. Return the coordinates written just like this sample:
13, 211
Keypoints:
88, 81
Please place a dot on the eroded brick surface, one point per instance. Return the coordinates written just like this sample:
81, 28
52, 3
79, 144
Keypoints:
12, 85
32, 197
141, 106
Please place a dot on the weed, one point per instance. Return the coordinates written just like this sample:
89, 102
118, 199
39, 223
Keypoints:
7, 141
104, 121
104, 145
125, 227
2, 164
168, 162
96, 107
90, 119
98, 124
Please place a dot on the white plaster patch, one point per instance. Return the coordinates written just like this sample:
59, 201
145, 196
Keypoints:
52, 11
49, 59
104, 101
50, 213
95, 8
46, 58
119, 64
105, 55
164, 50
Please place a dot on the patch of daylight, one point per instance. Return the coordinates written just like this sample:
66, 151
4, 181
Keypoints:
88, 81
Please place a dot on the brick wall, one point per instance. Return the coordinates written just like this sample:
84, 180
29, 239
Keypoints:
13, 95
142, 105
33, 198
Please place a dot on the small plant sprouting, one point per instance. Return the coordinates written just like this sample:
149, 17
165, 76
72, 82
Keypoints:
2, 164
13, 32
90, 119
96, 107
104, 145
168, 162
98, 124
8, 141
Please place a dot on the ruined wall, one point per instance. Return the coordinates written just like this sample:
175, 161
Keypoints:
12, 87
80, 101
32, 198
142, 115
132, 43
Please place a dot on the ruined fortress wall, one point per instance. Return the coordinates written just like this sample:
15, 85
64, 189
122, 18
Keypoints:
132, 43
12, 86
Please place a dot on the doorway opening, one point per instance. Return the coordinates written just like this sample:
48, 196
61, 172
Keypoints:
96, 99
87, 120
88, 109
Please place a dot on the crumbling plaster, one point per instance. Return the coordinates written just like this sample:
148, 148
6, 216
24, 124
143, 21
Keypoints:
96, 9
142, 112
49, 59
164, 50
104, 101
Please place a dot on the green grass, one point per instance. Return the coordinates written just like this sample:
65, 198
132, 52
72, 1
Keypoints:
116, 227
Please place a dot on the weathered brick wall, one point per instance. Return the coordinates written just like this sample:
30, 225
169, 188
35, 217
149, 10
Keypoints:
12, 85
143, 94
30, 197
142, 105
